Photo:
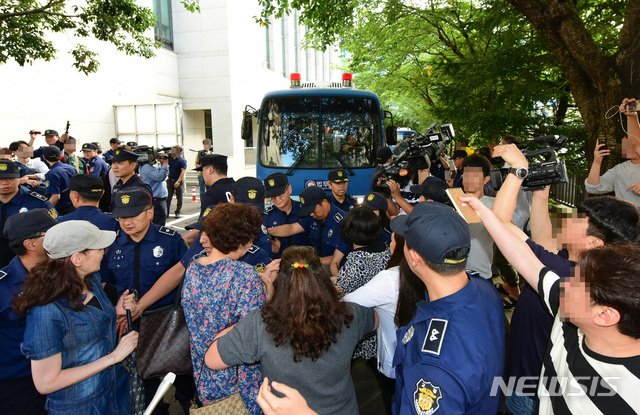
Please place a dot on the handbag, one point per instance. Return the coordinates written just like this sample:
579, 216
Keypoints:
163, 342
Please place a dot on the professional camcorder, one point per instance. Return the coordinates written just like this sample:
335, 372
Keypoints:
417, 153
545, 168
148, 154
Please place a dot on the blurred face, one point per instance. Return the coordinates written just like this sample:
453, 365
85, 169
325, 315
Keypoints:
175, 153
51, 139
575, 300
339, 189
137, 226
630, 148
9, 187
123, 168
282, 201
321, 211
24, 151
70, 146
574, 233
115, 146
473, 180
206, 144
90, 154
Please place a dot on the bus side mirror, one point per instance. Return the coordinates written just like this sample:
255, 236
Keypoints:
391, 132
246, 130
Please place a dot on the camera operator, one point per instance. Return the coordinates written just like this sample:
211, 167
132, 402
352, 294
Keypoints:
624, 178
155, 177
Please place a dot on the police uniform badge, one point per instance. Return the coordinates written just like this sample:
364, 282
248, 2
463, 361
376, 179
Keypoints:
53, 213
302, 200
3, 167
124, 199
206, 212
92, 169
426, 398
271, 182
370, 197
339, 174
330, 233
252, 194
408, 335
264, 230
158, 251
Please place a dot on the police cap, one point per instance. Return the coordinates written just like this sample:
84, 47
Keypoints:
275, 184
131, 202
125, 155
432, 188
86, 183
249, 191
9, 170
310, 198
375, 201
199, 225
338, 176
29, 223
50, 132
211, 159
89, 147
51, 153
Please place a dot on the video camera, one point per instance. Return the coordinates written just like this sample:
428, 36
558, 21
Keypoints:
148, 154
416, 153
545, 168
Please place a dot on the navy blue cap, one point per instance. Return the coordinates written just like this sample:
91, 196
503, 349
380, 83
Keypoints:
125, 155
114, 141
433, 230
249, 191
310, 198
458, 154
51, 153
338, 176
199, 225
132, 144
28, 223
275, 184
131, 202
86, 183
89, 147
50, 132
209, 159
9, 170
432, 188
383, 154
375, 201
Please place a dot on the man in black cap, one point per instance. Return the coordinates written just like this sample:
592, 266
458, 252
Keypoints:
219, 186
85, 193
115, 145
95, 165
380, 206
124, 165
383, 156
458, 158
339, 183
434, 358
283, 210
321, 220
52, 139
16, 199
57, 180
431, 188
25, 232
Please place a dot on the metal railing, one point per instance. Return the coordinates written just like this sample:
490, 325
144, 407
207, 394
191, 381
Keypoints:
570, 193
250, 154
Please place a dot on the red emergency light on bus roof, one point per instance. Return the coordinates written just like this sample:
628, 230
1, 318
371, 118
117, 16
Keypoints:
347, 79
295, 79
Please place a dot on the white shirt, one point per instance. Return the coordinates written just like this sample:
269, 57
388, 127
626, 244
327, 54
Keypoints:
39, 165
618, 179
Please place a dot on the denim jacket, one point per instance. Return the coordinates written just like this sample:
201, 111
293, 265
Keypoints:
82, 337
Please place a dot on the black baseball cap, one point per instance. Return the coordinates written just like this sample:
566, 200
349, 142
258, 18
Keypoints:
432, 188
309, 199
125, 155
89, 147
199, 225
132, 144
375, 201
433, 230
131, 202
28, 223
383, 154
275, 184
338, 176
209, 159
115, 141
50, 132
51, 153
9, 170
86, 183
459, 154
249, 191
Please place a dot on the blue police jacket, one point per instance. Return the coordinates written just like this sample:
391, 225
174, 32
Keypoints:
257, 257
134, 181
349, 202
155, 177
94, 215
219, 192
57, 182
160, 249
324, 235
96, 166
13, 364
449, 355
273, 217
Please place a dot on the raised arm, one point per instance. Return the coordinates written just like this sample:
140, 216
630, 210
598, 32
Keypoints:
286, 230
394, 187
507, 197
540, 223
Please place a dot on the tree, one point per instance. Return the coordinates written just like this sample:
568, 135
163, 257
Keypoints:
25, 24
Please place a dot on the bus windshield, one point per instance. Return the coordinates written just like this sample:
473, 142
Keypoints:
318, 132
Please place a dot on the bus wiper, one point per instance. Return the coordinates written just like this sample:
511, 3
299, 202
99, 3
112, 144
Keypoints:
299, 160
342, 163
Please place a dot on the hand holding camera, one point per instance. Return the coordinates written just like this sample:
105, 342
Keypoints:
629, 107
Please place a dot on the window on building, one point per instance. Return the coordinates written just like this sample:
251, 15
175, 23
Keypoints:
283, 41
164, 27
208, 127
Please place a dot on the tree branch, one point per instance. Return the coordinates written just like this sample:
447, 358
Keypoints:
33, 11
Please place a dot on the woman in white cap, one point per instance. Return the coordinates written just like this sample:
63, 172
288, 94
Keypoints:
71, 325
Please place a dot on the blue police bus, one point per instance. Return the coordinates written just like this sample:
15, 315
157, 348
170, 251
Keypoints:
311, 128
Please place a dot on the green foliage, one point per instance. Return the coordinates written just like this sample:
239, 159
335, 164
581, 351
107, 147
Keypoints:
25, 24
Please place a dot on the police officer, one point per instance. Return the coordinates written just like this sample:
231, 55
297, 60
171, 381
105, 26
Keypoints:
380, 205
250, 191
219, 186
85, 193
57, 180
52, 138
25, 232
283, 211
155, 177
94, 164
321, 220
448, 357
339, 183
115, 145
124, 166
141, 253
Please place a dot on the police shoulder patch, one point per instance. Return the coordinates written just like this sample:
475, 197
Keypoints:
426, 397
253, 249
167, 231
435, 335
39, 196
3, 274
338, 217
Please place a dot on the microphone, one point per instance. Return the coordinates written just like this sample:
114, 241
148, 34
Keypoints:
162, 389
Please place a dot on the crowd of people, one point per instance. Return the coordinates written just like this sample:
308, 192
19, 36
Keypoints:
281, 299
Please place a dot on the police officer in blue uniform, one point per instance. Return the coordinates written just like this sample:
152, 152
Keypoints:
57, 180
124, 165
24, 231
14, 199
115, 145
321, 221
448, 357
219, 186
85, 193
140, 255
380, 205
339, 183
250, 191
95, 164
283, 211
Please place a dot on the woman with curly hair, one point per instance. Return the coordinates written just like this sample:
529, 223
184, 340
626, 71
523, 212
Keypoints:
218, 291
71, 325
304, 336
